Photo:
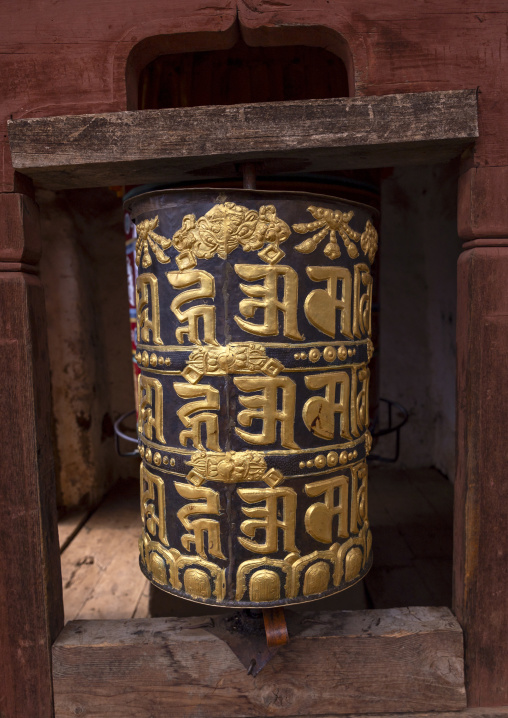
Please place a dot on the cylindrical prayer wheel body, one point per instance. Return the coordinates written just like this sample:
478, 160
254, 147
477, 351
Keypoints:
253, 313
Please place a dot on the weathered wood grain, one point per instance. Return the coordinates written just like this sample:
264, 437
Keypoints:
201, 142
500, 712
482, 211
481, 489
20, 239
336, 663
69, 526
100, 568
31, 613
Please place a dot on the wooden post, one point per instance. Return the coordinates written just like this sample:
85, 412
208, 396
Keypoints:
31, 610
481, 489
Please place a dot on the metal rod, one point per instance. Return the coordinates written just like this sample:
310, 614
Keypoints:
249, 175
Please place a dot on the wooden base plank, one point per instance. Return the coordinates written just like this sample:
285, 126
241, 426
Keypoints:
501, 712
404, 660
202, 142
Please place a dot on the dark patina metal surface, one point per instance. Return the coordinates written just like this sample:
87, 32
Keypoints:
253, 342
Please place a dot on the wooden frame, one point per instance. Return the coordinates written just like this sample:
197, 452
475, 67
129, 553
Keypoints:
202, 142
447, 125
76, 60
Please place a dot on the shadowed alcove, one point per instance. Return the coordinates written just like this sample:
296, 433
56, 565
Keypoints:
410, 501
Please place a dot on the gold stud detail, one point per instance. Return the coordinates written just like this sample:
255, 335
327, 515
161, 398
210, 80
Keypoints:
157, 459
343, 457
148, 455
297, 355
314, 355
153, 359
332, 459
329, 354
141, 450
342, 353
172, 462
310, 464
320, 461
167, 361
145, 358
302, 464
165, 461
161, 360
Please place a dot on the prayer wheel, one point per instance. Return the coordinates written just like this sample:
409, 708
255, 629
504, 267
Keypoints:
253, 342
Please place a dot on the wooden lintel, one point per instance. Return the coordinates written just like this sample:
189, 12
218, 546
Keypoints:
189, 144
382, 661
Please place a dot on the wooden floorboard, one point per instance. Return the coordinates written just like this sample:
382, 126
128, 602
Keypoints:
100, 570
69, 525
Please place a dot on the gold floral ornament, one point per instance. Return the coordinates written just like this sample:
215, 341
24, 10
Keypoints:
368, 241
231, 359
330, 222
149, 239
231, 467
225, 227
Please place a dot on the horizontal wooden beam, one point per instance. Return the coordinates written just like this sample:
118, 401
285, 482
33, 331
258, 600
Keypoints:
337, 663
175, 145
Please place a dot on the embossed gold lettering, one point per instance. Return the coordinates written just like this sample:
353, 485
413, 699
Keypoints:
147, 293
192, 315
205, 418
199, 527
150, 408
319, 412
321, 305
362, 303
359, 509
359, 399
319, 517
266, 298
266, 518
263, 407
154, 518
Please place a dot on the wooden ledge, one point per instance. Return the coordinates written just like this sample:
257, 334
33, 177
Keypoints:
383, 661
197, 143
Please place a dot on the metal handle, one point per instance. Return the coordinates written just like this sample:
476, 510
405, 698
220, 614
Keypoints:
119, 434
